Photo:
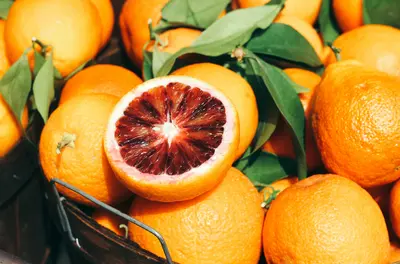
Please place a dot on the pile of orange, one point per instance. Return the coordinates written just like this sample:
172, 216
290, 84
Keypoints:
171, 143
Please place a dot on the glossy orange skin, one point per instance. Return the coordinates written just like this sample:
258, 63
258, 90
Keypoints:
70, 27
373, 45
281, 142
106, 13
394, 208
85, 165
325, 219
4, 63
348, 13
356, 121
101, 78
222, 226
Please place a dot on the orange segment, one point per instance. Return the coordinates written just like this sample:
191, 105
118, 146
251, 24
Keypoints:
172, 138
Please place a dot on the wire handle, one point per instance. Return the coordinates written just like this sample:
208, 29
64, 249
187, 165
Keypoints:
66, 226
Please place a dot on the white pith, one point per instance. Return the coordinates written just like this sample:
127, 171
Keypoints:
168, 129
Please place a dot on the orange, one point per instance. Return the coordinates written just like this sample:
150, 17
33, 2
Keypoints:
306, 30
237, 89
281, 142
277, 187
394, 208
348, 13
134, 20
71, 27
176, 39
305, 10
356, 121
172, 138
373, 45
106, 12
102, 78
10, 131
222, 226
110, 221
325, 219
4, 64
82, 163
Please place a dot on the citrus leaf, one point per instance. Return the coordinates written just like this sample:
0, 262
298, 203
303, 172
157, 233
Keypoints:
16, 83
268, 112
327, 23
244, 161
43, 87
4, 8
227, 33
199, 14
285, 97
386, 12
39, 61
268, 168
159, 58
147, 65
278, 41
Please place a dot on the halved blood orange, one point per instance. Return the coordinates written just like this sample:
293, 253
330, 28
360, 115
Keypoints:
172, 138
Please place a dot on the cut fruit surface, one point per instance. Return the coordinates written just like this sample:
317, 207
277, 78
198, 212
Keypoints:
172, 138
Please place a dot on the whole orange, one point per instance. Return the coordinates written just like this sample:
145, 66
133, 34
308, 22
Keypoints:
101, 78
106, 12
81, 122
394, 208
4, 64
237, 89
222, 226
70, 26
356, 121
373, 45
325, 219
10, 130
133, 21
281, 142
305, 10
348, 13
306, 30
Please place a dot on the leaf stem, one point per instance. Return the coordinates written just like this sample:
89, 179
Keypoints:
68, 140
336, 51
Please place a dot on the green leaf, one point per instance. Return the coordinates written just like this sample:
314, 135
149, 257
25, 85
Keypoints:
287, 101
327, 23
268, 112
268, 168
39, 61
386, 12
159, 58
227, 33
43, 87
199, 14
16, 85
147, 65
4, 8
278, 41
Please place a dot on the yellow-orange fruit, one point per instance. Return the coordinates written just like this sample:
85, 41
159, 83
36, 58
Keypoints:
325, 219
356, 121
224, 224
